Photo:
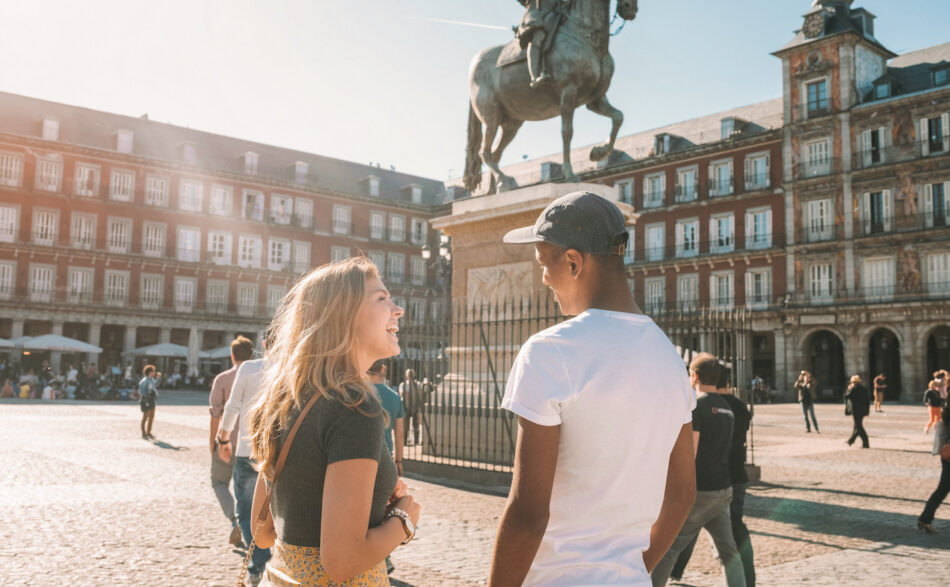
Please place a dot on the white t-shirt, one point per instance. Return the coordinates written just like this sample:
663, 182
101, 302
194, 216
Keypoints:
620, 393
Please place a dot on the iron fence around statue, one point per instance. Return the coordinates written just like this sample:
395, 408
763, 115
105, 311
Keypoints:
461, 361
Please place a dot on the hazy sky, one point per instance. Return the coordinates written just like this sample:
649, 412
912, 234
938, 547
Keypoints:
384, 80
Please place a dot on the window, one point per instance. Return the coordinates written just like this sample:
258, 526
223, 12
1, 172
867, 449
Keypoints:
83, 231
939, 76
686, 184
938, 273
253, 205
87, 180
656, 242
45, 223
687, 292
49, 173
156, 190
153, 288
722, 233
189, 153
397, 228
818, 220
878, 279
720, 178
417, 268
687, 238
8, 224
11, 169
250, 163
625, 191
935, 134
42, 283
379, 259
757, 172
721, 291
122, 185
372, 184
399, 301
416, 194
153, 239
275, 293
876, 212
936, 204
420, 229
303, 213
817, 93
301, 257
185, 294
189, 244
654, 188
50, 129
301, 171
377, 225
757, 287
341, 219
216, 300
249, 251
758, 229
281, 209
117, 288
416, 311
79, 289
247, 299
219, 247
629, 254
821, 282
339, 253
817, 158
222, 200
871, 146
655, 294
123, 141
435, 311
882, 90
278, 254
397, 267
7, 274
189, 195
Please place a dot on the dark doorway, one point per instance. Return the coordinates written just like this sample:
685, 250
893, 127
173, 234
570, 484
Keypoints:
884, 356
938, 351
826, 362
763, 357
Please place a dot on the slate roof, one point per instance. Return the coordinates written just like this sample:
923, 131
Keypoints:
839, 22
22, 115
911, 71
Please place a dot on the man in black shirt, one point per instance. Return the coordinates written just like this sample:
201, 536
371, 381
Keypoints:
713, 422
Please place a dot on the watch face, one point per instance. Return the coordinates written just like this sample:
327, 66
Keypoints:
814, 25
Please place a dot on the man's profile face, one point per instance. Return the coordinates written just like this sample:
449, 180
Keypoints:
556, 274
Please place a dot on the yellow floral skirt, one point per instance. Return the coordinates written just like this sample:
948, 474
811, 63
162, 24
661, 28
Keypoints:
300, 565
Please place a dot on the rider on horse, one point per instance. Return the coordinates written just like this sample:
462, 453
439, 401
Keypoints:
537, 26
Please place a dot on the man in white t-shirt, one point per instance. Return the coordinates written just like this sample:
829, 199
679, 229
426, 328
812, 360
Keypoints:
604, 475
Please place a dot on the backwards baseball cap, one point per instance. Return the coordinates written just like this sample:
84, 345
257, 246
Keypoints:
580, 220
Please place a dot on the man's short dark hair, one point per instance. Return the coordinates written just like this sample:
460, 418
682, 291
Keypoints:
724, 377
242, 349
706, 367
377, 367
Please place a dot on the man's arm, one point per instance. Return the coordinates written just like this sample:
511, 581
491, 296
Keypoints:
398, 431
677, 499
215, 399
526, 515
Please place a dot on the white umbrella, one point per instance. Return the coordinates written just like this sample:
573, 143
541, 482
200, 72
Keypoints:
223, 352
57, 342
5, 344
162, 349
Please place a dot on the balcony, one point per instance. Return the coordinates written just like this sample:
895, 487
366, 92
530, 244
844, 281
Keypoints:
721, 188
711, 247
815, 109
901, 224
305, 222
653, 199
684, 193
83, 297
820, 234
757, 181
279, 219
216, 308
875, 295
818, 168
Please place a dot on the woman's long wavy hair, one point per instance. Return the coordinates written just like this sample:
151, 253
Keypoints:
312, 349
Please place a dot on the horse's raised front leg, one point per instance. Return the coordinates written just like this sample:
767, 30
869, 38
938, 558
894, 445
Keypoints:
604, 108
568, 104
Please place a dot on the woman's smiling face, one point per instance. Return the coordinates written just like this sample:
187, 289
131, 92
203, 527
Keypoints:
377, 323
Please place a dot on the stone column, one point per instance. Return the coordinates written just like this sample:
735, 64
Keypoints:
95, 329
16, 330
913, 363
164, 334
56, 357
193, 337
781, 363
130, 332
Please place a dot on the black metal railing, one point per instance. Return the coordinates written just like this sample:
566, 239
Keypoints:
883, 225
721, 187
716, 246
818, 168
815, 108
905, 291
684, 193
757, 181
820, 233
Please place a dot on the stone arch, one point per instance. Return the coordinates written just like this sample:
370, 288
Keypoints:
883, 348
935, 349
824, 352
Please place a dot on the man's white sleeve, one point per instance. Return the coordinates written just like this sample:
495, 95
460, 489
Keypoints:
232, 408
538, 384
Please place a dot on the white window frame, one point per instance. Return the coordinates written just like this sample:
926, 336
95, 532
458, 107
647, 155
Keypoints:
879, 278
115, 291
925, 134
683, 192
182, 304
415, 194
278, 254
50, 129
379, 259
716, 299
929, 200
301, 171
194, 202
654, 247
86, 180
655, 294
124, 140
396, 267
717, 185
687, 237
219, 247
625, 191
11, 169
49, 173
9, 223
816, 157
251, 160
887, 212
156, 190
7, 279
757, 181
821, 282
938, 273
377, 225
82, 231
79, 285
46, 290
761, 298
154, 247
865, 142
188, 244
121, 185
247, 298
278, 216
719, 243
45, 227
687, 291
416, 312
255, 209
417, 270
630, 253
342, 219
256, 247
807, 112
418, 231
221, 202
274, 294
152, 298
753, 239
303, 213
338, 253
653, 198
397, 228
215, 303
301, 256
819, 220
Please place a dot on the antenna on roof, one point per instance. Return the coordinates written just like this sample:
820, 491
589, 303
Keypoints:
392, 168
144, 116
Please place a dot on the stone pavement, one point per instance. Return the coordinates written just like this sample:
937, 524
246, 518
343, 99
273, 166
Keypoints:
86, 501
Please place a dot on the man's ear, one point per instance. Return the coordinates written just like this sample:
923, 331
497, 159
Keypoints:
575, 260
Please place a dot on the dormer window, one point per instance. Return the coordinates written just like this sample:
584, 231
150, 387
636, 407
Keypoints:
372, 185
301, 171
939, 76
416, 194
123, 140
882, 90
188, 153
728, 127
250, 163
661, 144
50, 129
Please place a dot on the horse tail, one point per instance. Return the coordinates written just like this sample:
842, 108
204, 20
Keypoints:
473, 158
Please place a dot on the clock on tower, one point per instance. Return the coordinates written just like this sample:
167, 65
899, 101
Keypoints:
814, 24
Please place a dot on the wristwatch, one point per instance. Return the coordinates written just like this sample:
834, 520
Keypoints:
407, 524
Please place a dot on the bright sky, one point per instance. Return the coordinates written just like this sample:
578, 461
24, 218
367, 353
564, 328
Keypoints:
386, 80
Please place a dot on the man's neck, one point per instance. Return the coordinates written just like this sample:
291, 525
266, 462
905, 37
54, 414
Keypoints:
705, 389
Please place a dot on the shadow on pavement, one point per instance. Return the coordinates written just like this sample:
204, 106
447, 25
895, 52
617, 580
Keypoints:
166, 446
398, 583
768, 486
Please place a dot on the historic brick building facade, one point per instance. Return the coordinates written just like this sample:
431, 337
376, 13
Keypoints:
125, 232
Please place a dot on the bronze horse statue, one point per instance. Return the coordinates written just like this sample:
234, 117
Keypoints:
580, 66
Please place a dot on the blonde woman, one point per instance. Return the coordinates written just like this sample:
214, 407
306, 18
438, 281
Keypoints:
331, 501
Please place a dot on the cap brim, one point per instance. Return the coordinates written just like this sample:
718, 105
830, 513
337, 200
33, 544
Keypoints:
522, 236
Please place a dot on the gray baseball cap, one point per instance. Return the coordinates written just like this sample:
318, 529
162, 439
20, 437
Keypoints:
580, 220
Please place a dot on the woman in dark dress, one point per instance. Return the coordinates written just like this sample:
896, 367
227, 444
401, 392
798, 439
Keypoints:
941, 437
860, 401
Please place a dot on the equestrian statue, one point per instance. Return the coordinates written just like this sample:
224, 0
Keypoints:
559, 61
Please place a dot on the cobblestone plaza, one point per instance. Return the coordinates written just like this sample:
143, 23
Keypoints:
86, 501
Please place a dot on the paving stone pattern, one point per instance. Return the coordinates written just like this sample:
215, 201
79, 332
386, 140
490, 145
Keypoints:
86, 501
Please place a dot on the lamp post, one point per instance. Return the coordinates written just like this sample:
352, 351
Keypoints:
442, 264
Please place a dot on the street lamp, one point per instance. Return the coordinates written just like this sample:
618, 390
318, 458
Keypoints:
442, 264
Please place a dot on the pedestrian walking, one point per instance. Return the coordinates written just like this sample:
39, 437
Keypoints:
335, 507
934, 403
222, 469
396, 413
805, 385
942, 448
148, 396
414, 398
859, 407
942, 378
880, 387
587, 447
